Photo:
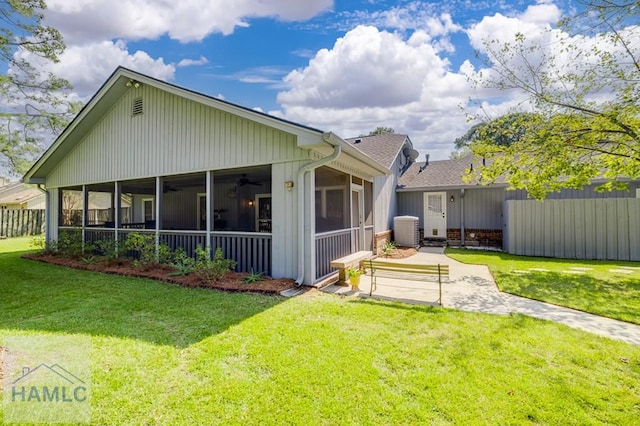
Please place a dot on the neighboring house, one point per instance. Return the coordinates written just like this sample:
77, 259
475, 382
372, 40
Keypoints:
276, 196
19, 196
460, 213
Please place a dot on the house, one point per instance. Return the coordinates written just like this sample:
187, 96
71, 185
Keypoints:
395, 152
570, 224
19, 196
278, 197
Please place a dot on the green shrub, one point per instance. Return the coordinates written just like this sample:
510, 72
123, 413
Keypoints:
105, 248
70, 244
211, 270
183, 263
142, 247
43, 246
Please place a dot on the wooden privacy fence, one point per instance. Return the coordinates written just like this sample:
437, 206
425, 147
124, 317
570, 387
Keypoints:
606, 228
18, 223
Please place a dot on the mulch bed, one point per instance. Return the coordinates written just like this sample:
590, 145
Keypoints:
232, 281
401, 253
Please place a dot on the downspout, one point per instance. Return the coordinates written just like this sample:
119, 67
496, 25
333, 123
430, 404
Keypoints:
47, 210
462, 217
337, 150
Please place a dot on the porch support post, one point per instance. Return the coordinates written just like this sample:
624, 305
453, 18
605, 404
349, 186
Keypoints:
209, 186
85, 206
117, 202
158, 213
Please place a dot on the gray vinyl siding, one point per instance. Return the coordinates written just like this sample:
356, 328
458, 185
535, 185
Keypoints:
174, 135
385, 199
484, 206
596, 228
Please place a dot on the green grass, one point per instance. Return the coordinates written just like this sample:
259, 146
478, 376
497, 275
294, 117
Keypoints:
9, 245
599, 289
163, 354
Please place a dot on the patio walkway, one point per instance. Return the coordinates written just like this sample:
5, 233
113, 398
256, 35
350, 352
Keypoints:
473, 289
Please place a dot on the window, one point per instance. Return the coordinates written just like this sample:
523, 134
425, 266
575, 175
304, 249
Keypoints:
637, 192
148, 208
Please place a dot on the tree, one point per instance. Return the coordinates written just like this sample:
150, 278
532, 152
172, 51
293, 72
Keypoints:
586, 99
34, 104
502, 131
381, 131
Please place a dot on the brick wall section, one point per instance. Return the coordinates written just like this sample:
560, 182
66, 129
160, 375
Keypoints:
379, 239
481, 237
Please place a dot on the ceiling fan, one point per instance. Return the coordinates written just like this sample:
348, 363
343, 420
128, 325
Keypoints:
245, 181
169, 188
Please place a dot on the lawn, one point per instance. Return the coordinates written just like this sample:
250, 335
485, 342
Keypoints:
164, 354
607, 288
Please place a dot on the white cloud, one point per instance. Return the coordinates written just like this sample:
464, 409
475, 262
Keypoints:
89, 65
184, 20
374, 78
366, 67
193, 62
532, 23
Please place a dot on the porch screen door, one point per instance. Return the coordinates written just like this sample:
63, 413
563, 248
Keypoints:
435, 215
357, 217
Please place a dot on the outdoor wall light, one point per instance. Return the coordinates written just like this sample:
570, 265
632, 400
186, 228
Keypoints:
452, 199
133, 83
250, 203
289, 185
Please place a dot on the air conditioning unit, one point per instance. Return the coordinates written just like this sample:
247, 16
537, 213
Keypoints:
405, 229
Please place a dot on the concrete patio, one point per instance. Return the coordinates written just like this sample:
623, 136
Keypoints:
472, 288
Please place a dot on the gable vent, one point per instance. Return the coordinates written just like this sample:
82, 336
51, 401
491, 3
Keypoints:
137, 107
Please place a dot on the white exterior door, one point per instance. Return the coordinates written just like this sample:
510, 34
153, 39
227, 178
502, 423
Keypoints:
357, 217
435, 215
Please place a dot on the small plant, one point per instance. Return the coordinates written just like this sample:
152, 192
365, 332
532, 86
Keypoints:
183, 263
253, 277
354, 276
38, 242
89, 260
388, 248
211, 270
44, 246
353, 272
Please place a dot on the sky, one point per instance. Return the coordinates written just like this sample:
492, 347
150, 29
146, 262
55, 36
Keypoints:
346, 66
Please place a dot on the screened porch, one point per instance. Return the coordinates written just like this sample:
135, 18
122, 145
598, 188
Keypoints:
230, 209
343, 217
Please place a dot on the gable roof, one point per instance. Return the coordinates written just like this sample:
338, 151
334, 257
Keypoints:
116, 86
18, 193
384, 148
442, 174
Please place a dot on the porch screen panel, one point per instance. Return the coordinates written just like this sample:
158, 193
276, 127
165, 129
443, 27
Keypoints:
100, 211
332, 200
71, 205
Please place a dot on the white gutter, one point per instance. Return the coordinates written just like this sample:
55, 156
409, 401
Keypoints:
462, 231
47, 210
337, 150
